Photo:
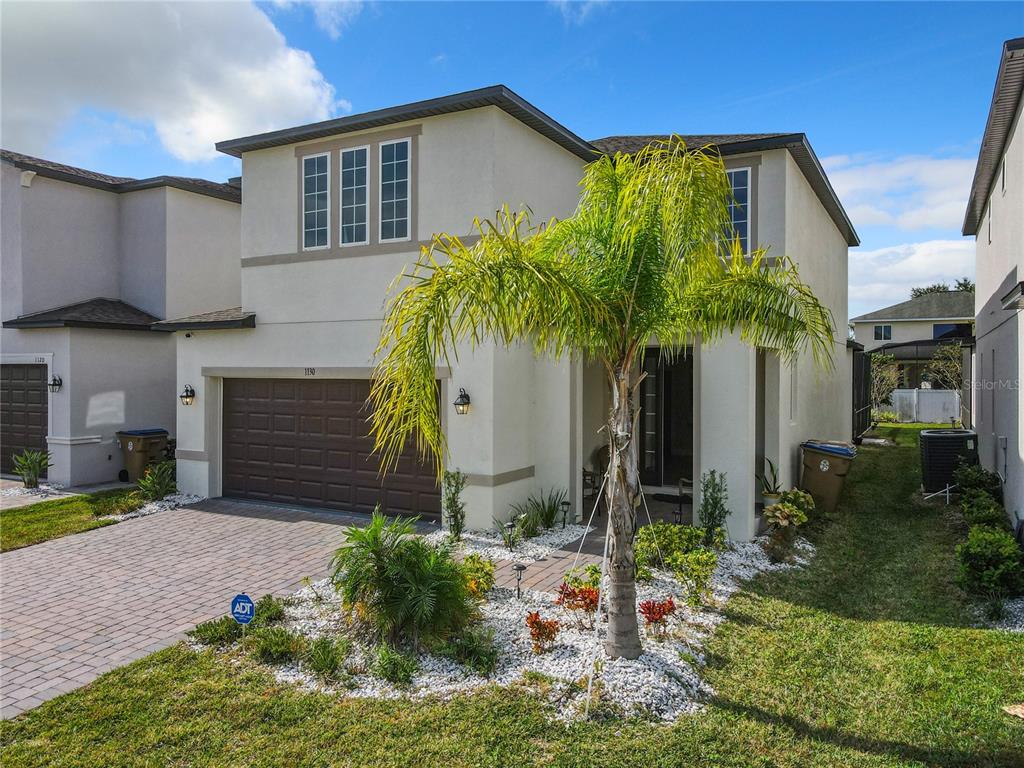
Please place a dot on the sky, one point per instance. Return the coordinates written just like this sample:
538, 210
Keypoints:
893, 97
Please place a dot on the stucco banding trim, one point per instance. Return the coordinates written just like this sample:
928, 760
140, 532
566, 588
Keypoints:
502, 478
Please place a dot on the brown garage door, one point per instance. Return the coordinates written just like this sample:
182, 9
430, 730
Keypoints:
23, 411
306, 442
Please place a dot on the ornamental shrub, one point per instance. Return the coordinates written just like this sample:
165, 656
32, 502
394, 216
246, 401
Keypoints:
158, 481
587, 576
581, 602
655, 613
475, 648
802, 500
222, 631
275, 645
392, 665
325, 657
979, 508
451, 501
268, 610
30, 465
694, 570
479, 574
989, 563
972, 477
714, 508
542, 632
783, 515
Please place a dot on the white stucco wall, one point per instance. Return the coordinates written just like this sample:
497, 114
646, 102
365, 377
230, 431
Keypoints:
902, 330
999, 362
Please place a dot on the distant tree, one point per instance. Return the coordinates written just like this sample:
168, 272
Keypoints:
885, 376
945, 369
933, 288
964, 284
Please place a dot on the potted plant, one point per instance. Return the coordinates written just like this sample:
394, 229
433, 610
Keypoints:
782, 520
771, 490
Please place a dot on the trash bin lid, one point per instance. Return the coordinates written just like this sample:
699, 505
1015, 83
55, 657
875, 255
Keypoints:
845, 450
143, 432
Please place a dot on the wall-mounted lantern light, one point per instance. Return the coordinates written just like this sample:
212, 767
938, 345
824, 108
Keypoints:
188, 395
462, 402
55, 383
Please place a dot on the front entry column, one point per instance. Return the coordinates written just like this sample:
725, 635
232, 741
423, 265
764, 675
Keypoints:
725, 427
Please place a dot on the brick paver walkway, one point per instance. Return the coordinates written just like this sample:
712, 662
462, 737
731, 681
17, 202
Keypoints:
75, 607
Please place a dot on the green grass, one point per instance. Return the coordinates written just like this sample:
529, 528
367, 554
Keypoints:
47, 520
865, 658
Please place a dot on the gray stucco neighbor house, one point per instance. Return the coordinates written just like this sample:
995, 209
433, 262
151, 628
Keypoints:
90, 262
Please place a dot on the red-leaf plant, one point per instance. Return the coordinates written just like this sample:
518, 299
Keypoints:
580, 601
655, 612
542, 631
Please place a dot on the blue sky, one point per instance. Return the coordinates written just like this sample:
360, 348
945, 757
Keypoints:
892, 96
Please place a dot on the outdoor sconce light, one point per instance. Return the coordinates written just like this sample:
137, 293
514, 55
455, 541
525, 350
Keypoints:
565, 513
462, 403
519, 568
55, 383
188, 395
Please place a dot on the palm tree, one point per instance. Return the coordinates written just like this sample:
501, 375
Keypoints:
646, 255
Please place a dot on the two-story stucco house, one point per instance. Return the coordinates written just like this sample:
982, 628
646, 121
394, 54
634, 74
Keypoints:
334, 211
995, 218
912, 330
89, 262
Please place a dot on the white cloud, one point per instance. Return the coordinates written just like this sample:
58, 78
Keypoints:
331, 16
885, 276
197, 72
576, 11
911, 192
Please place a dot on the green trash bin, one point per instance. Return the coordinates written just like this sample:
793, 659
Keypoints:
825, 466
140, 448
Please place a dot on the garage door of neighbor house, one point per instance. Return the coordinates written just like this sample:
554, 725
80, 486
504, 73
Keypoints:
23, 411
300, 441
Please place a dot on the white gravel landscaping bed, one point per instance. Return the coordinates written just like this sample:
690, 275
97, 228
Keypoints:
44, 491
173, 501
489, 544
663, 684
1014, 618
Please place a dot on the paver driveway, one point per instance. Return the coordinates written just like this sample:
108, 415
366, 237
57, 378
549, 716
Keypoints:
75, 607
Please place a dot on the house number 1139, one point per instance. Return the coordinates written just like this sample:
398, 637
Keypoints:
310, 371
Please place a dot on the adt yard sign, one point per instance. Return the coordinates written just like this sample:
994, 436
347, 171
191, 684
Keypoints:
242, 609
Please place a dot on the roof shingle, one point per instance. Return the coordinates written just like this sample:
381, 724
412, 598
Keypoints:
931, 306
234, 317
95, 313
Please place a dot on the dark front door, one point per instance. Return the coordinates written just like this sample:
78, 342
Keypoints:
23, 412
307, 442
666, 419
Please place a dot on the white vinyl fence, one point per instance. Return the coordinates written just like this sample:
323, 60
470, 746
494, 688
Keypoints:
933, 406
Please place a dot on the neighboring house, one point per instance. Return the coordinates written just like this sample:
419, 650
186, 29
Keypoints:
334, 211
995, 217
912, 330
89, 262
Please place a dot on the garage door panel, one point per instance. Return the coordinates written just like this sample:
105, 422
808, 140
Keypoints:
24, 418
320, 453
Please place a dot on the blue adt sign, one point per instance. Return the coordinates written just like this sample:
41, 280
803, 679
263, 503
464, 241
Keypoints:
242, 609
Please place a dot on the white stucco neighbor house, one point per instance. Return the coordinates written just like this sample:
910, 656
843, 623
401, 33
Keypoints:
995, 218
333, 212
89, 263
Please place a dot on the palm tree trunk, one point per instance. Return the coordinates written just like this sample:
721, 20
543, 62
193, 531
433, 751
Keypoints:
623, 495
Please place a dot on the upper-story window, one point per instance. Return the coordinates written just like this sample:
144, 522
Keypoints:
883, 333
739, 205
354, 228
316, 217
394, 190
951, 330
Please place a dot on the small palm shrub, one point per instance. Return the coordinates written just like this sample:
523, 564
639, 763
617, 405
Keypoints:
392, 665
543, 632
972, 477
452, 486
30, 466
404, 589
325, 657
979, 508
475, 648
989, 563
158, 481
479, 573
222, 631
268, 610
275, 645
714, 509
802, 500
694, 570
587, 576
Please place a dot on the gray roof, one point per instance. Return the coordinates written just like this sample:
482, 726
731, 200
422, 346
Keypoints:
948, 305
233, 317
73, 175
491, 96
1006, 98
737, 143
112, 314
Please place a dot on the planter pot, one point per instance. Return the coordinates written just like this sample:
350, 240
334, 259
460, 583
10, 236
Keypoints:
771, 498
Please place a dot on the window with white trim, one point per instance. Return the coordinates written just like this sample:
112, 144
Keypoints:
394, 190
354, 228
316, 204
883, 333
739, 205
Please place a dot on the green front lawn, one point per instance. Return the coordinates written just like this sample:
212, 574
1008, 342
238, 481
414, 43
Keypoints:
865, 658
47, 520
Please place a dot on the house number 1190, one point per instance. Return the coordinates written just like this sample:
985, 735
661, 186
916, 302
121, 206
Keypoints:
310, 371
